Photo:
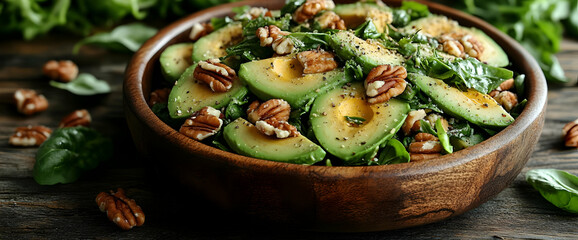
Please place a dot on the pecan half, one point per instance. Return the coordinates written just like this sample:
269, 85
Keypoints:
203, 124
507, 99
29, 136
461, 44
219, 77
412, 123
64, 70
273, 108
274, 127
199, 30
425, 146
317, 61
570, 132
120, 209
384, 82
310, 8
269, 34
159, 96
330, 20
29, 102
77, 118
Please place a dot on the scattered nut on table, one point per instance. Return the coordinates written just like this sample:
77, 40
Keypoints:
64, 70
77, 118
29, 136
120, 209
570, 133
29, 102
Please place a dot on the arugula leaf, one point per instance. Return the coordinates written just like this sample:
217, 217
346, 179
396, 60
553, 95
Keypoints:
84, 84
558, 187
306, 40
124, 38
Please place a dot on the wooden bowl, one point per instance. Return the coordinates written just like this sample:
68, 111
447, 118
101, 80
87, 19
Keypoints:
352, 199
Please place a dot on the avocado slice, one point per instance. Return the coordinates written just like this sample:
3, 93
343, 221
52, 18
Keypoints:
355, 14
189, 95
368, 53
355, 143
282, 77
436, 25
214, 44
478, 108
175, 59
244, 138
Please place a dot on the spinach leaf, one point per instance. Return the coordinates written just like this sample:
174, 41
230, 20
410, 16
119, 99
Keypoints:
558, 187
68, 153
250, 28
84, 84
249, 49
124, 38
467, 73
367, 30
394, 152
162, 112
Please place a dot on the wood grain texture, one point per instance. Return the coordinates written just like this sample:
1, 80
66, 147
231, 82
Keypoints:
28, 210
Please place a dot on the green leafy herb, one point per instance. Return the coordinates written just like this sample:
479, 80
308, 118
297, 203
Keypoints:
355, 120
426, 127
162, 112
558, 187
124, 38
84, 84
68, 153
394, 152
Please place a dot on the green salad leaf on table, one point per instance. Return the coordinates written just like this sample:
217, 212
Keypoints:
68, 153
558, 187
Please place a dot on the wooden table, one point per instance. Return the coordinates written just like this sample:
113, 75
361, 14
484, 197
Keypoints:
29, 210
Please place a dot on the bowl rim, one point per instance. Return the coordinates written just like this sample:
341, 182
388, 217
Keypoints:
134, 99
